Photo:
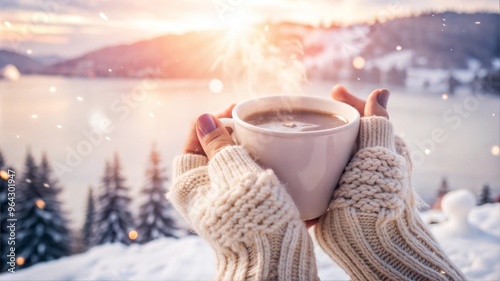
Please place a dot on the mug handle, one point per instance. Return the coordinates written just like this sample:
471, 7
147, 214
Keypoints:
229, 122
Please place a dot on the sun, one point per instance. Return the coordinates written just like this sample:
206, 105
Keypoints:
238, 24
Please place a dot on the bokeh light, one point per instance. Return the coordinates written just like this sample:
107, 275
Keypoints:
358, 62
40, 203
216, 86
20, 260
133, 235
4, 175
495, 150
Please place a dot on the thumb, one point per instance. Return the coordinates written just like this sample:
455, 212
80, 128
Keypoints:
212, 135
376, 103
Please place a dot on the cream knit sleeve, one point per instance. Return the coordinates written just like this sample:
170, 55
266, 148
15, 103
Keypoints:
245, 214
372, 228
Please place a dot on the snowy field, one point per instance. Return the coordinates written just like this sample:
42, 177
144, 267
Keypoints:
474, 246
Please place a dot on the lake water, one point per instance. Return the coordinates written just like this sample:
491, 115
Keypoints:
60, 116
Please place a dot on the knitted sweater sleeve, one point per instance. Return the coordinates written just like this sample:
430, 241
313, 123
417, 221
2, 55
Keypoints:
245, 214
372, 228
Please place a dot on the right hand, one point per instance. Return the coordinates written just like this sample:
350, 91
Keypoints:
375, 104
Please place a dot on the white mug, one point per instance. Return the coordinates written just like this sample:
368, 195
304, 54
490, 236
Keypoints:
308, 163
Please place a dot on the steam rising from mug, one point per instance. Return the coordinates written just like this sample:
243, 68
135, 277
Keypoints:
260, 60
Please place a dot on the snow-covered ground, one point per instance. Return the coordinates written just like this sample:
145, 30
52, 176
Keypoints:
477, 253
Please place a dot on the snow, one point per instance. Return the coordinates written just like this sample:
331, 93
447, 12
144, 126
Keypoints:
470, 235
476, 252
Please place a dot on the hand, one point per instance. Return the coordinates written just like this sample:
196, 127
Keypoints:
208, 135
375, 104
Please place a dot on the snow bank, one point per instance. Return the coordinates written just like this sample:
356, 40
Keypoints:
190, 258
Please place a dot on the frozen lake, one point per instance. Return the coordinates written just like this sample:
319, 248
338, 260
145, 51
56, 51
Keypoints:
453, 137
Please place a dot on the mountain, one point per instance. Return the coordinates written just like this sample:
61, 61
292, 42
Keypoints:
189, 55
49, 59
24, 64
443, 41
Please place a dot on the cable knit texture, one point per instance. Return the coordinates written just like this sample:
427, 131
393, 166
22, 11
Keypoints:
372, 228
245, 214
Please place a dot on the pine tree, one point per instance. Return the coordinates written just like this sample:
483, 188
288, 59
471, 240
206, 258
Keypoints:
42, 234
89, 219
113, 221
443, 189
155, 219
485, 196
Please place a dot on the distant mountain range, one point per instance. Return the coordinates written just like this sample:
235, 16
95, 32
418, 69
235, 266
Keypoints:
442, 40
24, 64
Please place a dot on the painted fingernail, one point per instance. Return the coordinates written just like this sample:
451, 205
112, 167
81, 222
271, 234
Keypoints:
383, 98
206, 124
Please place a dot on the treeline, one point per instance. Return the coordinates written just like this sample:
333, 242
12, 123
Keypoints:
42, 231
485, 196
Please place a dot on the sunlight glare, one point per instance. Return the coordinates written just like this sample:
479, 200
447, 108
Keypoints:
238, 25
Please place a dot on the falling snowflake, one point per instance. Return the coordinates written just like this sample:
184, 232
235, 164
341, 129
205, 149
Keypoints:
103, 16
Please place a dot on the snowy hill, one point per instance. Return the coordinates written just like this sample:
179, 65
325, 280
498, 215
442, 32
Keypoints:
191, 258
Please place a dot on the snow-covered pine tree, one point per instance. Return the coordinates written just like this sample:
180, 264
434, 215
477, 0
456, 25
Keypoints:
42, 233
155, 215
4, 204
485, 196
89, 220
113, 222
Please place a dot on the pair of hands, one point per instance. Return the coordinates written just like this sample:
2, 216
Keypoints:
208, 135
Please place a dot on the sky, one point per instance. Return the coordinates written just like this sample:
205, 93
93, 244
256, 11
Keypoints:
69, 28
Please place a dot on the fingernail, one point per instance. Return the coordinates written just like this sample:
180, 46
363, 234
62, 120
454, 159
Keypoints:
383, 98
206, 124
